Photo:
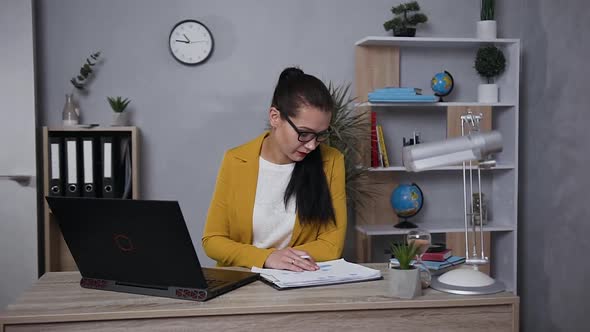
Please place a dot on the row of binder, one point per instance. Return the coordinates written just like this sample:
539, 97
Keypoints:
90, 167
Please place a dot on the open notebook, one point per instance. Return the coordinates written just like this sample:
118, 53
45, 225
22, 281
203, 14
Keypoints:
331, 272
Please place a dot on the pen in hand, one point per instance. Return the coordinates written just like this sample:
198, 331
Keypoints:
309, 259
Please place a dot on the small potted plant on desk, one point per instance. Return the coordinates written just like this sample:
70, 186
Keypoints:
406, 18
119, 104
404, 279
489, 63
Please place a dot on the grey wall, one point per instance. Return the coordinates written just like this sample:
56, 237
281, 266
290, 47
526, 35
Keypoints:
554, 208
189, 116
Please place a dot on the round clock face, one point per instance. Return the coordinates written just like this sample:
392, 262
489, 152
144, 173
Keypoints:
191, 42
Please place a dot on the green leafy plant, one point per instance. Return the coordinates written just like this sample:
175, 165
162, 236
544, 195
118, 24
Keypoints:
490, 62
487, 10
404, 253
407, 16
81, 80
118, 104
349, 134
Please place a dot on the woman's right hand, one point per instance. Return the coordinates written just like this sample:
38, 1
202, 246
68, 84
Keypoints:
290, 259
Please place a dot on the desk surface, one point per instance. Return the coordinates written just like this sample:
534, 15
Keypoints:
57, 297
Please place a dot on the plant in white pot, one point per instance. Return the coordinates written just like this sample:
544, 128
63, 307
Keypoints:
486, 27
404, 280
119, 104
489, 63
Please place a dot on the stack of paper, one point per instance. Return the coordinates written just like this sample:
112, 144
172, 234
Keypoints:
330, 272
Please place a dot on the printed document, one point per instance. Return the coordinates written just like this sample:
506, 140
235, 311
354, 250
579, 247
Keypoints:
330, 272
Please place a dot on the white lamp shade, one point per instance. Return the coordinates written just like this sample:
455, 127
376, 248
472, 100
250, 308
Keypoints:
452, 151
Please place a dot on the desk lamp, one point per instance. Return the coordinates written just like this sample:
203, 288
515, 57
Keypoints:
472, 146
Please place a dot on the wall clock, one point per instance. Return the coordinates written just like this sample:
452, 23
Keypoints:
191, 42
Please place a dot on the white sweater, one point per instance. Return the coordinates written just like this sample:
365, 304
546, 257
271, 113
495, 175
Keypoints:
272, 223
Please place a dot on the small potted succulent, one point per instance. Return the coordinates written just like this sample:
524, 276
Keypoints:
489, 63
407, 16
404, 281
118, 105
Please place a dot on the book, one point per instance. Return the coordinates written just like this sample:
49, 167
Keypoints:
382, 146
331, 272
402, 98
437, 256
399, 90
379, 148
433, 265
374, 147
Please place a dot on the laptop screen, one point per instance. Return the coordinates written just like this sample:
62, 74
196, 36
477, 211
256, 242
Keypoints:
134, 241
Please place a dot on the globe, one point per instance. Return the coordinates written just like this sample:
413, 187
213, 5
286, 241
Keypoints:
406, 201
442, 84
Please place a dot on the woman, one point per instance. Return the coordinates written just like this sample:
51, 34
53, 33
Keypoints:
280, 200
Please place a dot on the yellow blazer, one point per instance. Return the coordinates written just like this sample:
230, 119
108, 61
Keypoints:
227, 237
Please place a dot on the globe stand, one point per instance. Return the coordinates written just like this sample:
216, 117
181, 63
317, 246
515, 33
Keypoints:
405, 224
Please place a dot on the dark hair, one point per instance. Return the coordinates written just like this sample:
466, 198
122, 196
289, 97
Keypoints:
308, 182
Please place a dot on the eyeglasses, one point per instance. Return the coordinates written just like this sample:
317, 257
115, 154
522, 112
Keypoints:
306, 136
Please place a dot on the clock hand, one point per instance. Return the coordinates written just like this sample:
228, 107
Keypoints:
181, 41
198, 41
187, 40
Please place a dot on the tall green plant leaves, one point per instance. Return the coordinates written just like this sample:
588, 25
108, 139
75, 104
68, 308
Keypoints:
350, 133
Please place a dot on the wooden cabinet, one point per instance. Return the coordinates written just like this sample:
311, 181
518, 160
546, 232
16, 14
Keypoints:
411, 62
56, 255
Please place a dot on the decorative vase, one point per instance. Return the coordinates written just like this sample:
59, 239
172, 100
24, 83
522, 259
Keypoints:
486, 29
70, 114
405, 284
120, 119
487, 93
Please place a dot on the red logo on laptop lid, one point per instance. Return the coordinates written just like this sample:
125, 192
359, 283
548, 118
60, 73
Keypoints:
123, 242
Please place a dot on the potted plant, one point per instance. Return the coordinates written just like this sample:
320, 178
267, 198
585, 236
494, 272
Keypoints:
486, 27
404, 281
406, 18
349, 134
489, 63
119, 104
71, 110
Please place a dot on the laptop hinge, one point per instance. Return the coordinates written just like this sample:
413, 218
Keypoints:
185, 293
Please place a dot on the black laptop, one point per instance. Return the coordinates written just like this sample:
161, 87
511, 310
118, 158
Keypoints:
138, 246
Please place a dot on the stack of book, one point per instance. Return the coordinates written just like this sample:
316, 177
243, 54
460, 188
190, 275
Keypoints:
436, 262
400, 95
379, 157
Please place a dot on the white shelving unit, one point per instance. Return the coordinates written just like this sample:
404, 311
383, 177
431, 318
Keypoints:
411, 62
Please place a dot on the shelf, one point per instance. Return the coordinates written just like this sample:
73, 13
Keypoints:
117, 129
430, 41
445, 168
443, 104
439, 226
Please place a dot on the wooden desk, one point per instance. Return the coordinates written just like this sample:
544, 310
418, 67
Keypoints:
57, 303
